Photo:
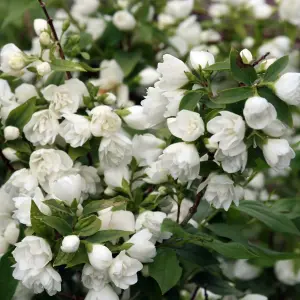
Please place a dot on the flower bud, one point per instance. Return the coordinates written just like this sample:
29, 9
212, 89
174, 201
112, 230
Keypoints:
110, 99
210, 146
11, 133
10, 154
40, 25
43, 68
3, 245
248, 42
11, 233
66, 25
100, 257
264, 65
148, 76
70, 244
124, 20
74, 39
246, 56
45, 39
17, 61
201, 59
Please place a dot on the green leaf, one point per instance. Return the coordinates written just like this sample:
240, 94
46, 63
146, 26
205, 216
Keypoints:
207, 167
85, 55
75, 153
8, 284
190, 100
62, 65
288, 207
276, 68
87, 226
89, 68
219, 66
58, 224
165, 269
240, 71
283, 111
21, 115
128, 60
20, 146
277, 222
111, 36
56, 78
58, 206
63, 258
233, 95
107, 235
80, 257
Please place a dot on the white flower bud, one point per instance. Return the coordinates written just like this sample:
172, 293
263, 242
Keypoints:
100, 257
124, 20
43, 68
246, 56
11, 233
40, 25
148, 76
110, 99
70, 244
45, 39
201, 59
11, 133
249, 42
210, 146
10, 154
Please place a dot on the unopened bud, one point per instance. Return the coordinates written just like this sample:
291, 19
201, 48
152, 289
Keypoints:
70, 244
66, 25
246, 56
110, 98
10, 154
11, 133
43, 68
45, 39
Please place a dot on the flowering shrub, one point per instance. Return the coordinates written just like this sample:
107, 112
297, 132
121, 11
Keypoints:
164, 176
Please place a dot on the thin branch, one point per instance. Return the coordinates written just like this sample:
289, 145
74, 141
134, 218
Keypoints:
193, 209
194, 295
50, 22
205, 294
256, 62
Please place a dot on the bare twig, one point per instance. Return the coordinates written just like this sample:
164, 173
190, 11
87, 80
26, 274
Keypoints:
256, 62
50, 22
193, 209
194, 295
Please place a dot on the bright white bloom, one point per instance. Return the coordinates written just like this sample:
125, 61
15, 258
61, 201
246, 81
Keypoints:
182, 161
245, 271
25, 92
148, 76
220, 191
6, 110
22, 293
211, 146
262, 11
187, 125
110, 98
114, 177
39, 26
7, 205
172, 72
12, 60
45, 39
152, 221
179, 9
287, 88
70, 244
179, 44
43, 68
258, 182
39, 280
248, 42
137, 118
85, 8
165, 20
10, 154
11, 133
142, 249
42, 128
123, 270
94, 279
278, 153
11, 232
190, 31
259, 113
254, 297
156, 173
6, 96
285, 272
275, 129
174, 98
124, 20
105, 122
289, 10
228, 130
95, 27
106, 293
100, 257
147, 148
201, 59
246, 56
115, 151
36, 250
217, 10
75, 130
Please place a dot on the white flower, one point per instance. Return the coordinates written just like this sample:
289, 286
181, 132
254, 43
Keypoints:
43, 68
86, 8
142, 249
105, 122
42, 128
152, 221
148, 76
287, 88
106, 293
32, 253
11, 133
178, 44
275, 129
22, 293
259, 113
228, 130
187, 125
6, 96
182, 161
94, 279
7, 205
12, 60
147, 148
190, 31
156, 173
262, 11
113, 177
278, 153
165, 20
100, 257
220, 191
11, 233
137, 118
172, 72
201, 59
285, 272
10, 154
174, 98
70, 244
248, 42
124, 20
95, 27
123, 270
45, 39
67, 188
65, 98
5, 111
179, 9
115, 151
289, 10
245, 271
39, 279
258, 182
254, 297
75, 130
25, 92
210, 146
39, 26
110, 98
218, 10
246, 56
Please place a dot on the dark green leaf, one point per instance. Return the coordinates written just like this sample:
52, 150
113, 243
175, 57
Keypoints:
75, 153
276, 68
58, 206
207, 167
233, 95
111, 36
107, 235
288, 207
58, 224
88, 68
63, 258
66, 66
80, 257
190, 101
219, 66
128, 60
56, 78
88, 226
20, 146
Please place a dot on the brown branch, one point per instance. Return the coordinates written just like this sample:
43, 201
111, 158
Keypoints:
50, 22
256, 62
193, 209
194, 295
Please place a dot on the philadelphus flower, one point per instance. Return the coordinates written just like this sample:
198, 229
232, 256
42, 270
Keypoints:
201, 59
179, 9
11, 133
289, 10
174, 99
106, 293
254, 297
6, 96
42, 128
10, 154
70, 244
245, 271
123, 270
100, 257
124, 20
275, 129
152, 221
187, 125
190, 31
232, 163
287, 88
285, 272
156, 173
136, 118
114, 177
86, 8
25, 92
43, 68
246, 56
278, 153
182, 161
146, 148
94, 279
105, 121
39, 26
75, 130
148, 76
110, 99
259, 113
165, 20
45, 39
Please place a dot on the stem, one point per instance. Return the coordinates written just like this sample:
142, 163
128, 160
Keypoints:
193, 209
50, 22
256, 62
194, 295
